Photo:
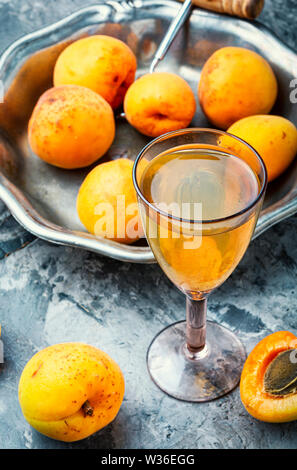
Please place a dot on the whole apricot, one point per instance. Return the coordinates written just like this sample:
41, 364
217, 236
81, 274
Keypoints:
274, 138
235, 83
107, 203
71, 127
266, 380
71, 390
158, 103
103, 63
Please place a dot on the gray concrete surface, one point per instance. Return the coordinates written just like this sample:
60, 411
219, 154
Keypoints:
50, 294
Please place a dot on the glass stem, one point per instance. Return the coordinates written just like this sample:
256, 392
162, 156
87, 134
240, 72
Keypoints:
196, 324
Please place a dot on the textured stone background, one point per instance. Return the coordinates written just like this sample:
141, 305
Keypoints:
50, 294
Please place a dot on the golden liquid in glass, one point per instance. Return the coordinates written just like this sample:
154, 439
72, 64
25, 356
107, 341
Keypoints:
199, 257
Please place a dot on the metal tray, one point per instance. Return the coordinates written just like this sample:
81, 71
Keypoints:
41, 197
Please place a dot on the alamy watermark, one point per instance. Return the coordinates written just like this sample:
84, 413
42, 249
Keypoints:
164, 221
1, 352
293, 94
293, 354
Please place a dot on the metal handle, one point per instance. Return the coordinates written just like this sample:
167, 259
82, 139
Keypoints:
171, 33
249, 9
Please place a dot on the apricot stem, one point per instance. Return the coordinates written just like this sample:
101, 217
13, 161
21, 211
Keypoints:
87, 409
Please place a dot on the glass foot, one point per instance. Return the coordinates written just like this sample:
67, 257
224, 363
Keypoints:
200, 377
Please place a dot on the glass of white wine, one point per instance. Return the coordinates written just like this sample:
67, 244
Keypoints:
200, 192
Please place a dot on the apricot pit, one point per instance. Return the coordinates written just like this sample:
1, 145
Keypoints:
281, 375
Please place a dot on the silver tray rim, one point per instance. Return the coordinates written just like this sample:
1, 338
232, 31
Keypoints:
23, 211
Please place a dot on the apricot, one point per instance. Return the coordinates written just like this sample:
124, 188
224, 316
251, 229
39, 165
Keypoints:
158, 103
107, 203
71, 390
104, 64
71, 127
274, 138
265, 374
236, 83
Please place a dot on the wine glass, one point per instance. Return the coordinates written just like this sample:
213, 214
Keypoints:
199, 193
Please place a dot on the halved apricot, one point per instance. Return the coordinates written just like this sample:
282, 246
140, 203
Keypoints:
262, 400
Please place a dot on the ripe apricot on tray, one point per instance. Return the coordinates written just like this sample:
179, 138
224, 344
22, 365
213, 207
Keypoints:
71, 390
104, 64
159, 102
274, 138
107, 203
71, 127
236, 82
268, 383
